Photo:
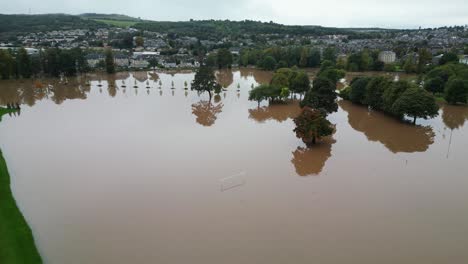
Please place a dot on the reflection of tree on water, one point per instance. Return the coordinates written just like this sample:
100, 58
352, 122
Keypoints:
112, 90
278, 112
225, 77
24, 92
140, 76
121, 75
61, 93
395, 135
154, 76
310, 161
258, 75
206, 112
454, 116
217, 98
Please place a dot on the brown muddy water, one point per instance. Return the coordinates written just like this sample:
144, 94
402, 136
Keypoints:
136, 175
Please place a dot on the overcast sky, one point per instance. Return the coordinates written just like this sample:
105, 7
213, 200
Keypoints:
340, 13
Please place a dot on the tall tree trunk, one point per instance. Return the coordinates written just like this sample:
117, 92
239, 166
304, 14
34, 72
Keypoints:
209, 92
414, 121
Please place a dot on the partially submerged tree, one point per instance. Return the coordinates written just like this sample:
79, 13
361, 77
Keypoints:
110, 67
205, 81
311, 125
295, 80
358, 89
392, 93
456, 91
417, 103
224, 58
268, 92
374, 91
300, 83
321, 96
333, 74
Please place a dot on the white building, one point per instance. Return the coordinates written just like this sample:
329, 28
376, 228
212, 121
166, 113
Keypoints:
121, 60
140, 63
94, 59
32, 51
387, 57
464, 59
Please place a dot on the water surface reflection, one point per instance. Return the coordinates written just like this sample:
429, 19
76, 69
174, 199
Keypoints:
206, 112
277, 112
396, 136
310, 161
101, 168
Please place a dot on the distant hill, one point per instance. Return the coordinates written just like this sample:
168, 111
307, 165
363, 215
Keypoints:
12, 25
109, 17
217, 28
116, 20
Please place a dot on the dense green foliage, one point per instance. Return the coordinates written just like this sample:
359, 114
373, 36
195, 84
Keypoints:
456, 91
273, 93
331, 73
392, 93
295, 80
216, 29
322, 96
267, 63
319, 101
399, 99
417, 103
374, 92
311, 125
205, 80
448, 79
110, 67
283, 82
51, 62
8, 67
357, 92
448, 58
364, 61
281, 57
224, 58
16, 239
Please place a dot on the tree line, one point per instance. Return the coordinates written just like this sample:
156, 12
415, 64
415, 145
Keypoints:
449, 81
283, 57
319, 98
396, 98
49, 62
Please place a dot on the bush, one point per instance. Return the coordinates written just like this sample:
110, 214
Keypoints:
456, 91
435, 85
358, 89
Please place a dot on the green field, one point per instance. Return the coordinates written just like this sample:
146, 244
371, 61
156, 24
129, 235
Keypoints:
117, 23
16, 240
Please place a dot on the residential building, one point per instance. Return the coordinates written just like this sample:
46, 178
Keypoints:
387, 57
93, 59
464, 59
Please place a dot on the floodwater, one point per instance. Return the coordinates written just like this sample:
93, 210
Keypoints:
107, 174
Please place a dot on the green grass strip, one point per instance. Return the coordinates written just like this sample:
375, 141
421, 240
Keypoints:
16, 240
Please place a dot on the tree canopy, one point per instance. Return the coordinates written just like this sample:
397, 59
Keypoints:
456, 91
321, 96
311, 125
205, 80
417, 103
